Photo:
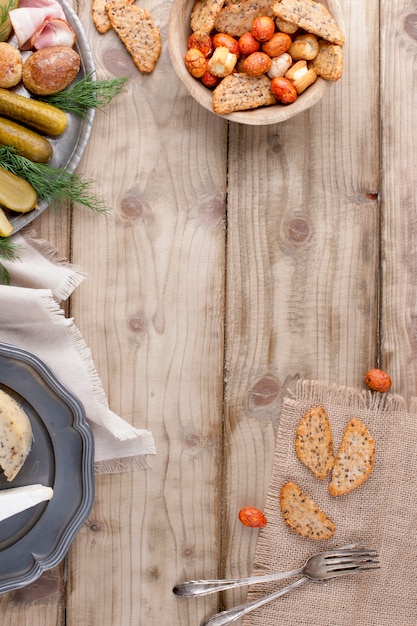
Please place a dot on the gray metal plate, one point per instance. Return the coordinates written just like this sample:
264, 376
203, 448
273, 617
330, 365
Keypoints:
70, 146
61, 457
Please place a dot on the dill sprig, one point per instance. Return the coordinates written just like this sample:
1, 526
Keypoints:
4, 275
5, 9
52, 184
86, 94
8, 252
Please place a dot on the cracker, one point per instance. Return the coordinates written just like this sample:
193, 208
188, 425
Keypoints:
99, 14
204, 14
310, 16
329, 62
236, 19
138, 32
314, 442
302, 515
239, 92
355, 459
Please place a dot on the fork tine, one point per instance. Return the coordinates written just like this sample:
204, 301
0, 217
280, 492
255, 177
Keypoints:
363, 556
346, 553
352, 570
352, 566
347, 561
351, 557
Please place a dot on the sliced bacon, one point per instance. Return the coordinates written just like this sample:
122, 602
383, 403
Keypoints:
25, 23
53, 32
41, 23
52, 8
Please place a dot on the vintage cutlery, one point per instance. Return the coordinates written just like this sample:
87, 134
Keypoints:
345, 560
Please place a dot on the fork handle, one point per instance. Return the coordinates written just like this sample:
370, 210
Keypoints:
231, 615
204, 587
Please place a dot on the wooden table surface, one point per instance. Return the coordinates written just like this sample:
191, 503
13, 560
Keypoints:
235, 260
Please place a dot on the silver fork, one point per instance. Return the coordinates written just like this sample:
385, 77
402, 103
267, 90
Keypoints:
348, 559
344, 560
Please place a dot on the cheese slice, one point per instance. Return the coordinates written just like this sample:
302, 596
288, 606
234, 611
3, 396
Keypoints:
18, 499
15, 436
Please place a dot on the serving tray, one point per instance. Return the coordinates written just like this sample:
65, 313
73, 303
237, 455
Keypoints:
61, 457
69, 147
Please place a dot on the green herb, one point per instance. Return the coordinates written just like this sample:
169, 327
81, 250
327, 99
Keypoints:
8, 252
5, 8
86, 94
55, 185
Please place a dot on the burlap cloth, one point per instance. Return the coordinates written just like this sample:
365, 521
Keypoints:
381, 514
31, 318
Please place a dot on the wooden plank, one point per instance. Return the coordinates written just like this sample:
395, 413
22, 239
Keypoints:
40, 604
398, 195
152, 313
302, 267
54, 225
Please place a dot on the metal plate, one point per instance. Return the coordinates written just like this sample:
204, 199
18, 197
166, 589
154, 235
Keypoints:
69, 147
61, 457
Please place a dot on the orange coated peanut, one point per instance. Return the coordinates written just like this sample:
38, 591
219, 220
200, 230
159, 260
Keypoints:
254, 518
257, 63
202, 41
196, 62
248, 44
378, 380
283, 90
277, 45
229, 42
263, 28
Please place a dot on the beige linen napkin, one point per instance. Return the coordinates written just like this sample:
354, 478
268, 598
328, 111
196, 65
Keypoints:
31, 318
381, 514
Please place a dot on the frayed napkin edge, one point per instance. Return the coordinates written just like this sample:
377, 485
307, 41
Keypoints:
320, 391
124, 431
63, 291
121, 465
79, 344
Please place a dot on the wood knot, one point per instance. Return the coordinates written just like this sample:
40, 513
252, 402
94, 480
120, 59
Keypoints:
192, 440
410, 24
371, 196
211, 209
137, 324
298, 231
263, 392
153, 573
275, 143
188, 552
119, 63
45, 587
131, 208
195, 443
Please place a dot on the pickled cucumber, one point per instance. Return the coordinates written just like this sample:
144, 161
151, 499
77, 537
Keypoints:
27, 142
43, 117
16, 193
6, 227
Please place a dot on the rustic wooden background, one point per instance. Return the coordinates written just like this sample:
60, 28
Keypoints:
236, 260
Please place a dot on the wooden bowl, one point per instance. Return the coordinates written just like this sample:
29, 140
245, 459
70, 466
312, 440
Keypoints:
178, 33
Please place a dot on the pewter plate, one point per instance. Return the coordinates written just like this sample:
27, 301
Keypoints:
61, 457
69, 147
